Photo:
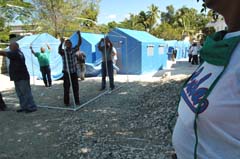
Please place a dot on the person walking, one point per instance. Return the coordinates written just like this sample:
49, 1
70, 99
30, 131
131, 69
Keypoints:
44, 61
19, 74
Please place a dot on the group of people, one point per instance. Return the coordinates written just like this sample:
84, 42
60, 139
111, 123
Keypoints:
72, 57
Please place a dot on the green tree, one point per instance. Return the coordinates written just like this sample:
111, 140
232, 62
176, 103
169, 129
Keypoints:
61, 15
169, 16
167, 32
131, 23
153, 14
11, 11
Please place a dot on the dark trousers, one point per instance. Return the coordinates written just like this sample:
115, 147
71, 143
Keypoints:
195, 60
107, 69
2, 104
189, 58
75, 87
46, 74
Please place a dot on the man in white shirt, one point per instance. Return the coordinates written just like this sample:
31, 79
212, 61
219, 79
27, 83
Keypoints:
114, 58
194, 53
208, 125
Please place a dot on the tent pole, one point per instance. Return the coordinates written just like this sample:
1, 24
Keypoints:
69, 77
32, 59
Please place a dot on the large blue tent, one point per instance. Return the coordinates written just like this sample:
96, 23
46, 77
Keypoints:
138, 51
37, 41
89, 43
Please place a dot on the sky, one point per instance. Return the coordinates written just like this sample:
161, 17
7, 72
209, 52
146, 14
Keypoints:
118, 10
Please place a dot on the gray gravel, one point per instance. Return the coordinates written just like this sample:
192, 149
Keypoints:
129, 123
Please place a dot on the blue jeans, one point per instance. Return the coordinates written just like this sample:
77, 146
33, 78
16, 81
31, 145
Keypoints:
24, 94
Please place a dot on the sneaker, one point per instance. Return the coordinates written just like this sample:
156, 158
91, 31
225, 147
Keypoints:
21, 110
30, 110
102, 89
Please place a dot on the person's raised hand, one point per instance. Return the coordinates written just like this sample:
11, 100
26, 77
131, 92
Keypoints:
62, 40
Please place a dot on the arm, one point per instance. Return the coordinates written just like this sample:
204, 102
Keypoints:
60, 50
32, 50
3, 53
49, 48
79, 39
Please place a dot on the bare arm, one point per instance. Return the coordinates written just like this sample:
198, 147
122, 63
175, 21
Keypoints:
79, 39
49, 48
32, 50
60, 50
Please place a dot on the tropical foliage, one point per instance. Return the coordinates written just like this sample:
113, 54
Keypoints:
58, 17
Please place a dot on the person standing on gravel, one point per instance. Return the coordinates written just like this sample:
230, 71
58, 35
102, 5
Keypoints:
44, 62
19, 74
69, 58
209, 110
194, 52
106, 46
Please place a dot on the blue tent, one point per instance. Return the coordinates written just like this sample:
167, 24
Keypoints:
37, 41
89, 43
182, 49
138, 52
180, 46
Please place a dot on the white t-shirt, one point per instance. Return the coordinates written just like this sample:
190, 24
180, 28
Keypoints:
219, 121
194, 50
115, 53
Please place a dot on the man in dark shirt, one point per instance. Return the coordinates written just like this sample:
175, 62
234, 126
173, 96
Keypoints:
69, 58
19, 74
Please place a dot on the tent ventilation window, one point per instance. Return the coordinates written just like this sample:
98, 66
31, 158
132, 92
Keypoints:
150, 50
161, 50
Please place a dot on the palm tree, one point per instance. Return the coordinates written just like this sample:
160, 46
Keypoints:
153, 14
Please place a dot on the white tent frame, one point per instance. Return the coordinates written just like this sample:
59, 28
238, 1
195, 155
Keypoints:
75, 107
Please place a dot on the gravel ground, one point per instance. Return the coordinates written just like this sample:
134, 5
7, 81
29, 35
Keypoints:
129, 123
